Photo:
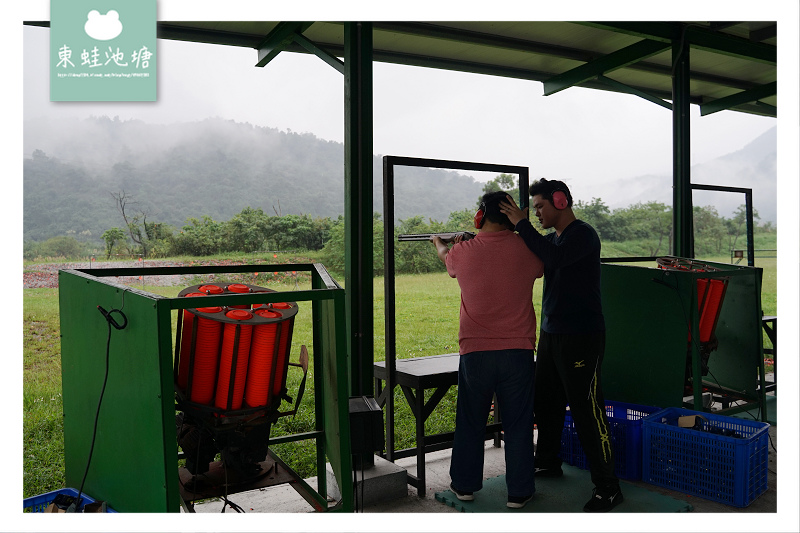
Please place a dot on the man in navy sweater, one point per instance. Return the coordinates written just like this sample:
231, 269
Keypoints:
572, 338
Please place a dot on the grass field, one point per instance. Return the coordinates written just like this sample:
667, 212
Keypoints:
427, 324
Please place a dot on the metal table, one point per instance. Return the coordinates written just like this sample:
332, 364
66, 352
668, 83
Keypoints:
415, 376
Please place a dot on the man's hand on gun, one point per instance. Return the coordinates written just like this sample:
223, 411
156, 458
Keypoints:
455, 240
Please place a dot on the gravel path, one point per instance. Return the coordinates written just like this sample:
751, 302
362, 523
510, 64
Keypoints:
46, 275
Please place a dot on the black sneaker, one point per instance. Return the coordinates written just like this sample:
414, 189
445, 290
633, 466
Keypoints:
463, 496
518, 502
603, 500
549, 472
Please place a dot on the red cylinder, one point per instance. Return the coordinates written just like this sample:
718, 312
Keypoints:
206, 357
708, 304
262, 357
184, 354
233, 364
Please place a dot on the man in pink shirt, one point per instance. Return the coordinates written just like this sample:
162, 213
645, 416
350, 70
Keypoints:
497, 336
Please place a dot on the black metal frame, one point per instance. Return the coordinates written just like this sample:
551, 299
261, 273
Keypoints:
748, 204
389, 162
770, 326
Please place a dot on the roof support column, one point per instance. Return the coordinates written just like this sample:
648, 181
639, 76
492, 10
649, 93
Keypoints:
358, 203
683, 234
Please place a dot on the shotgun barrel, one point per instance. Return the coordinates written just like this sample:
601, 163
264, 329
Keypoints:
446, 236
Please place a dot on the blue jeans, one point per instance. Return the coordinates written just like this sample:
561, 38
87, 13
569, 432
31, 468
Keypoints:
510, 375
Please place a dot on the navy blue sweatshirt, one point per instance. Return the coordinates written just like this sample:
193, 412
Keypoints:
571, 302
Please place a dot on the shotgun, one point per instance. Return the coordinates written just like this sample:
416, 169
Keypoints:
446, 236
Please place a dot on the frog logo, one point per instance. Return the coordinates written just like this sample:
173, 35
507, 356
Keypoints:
103, 27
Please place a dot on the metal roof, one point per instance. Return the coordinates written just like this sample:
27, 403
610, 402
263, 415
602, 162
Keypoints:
732, 64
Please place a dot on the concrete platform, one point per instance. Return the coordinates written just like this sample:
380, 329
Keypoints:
284, 499
428, 514
408, 512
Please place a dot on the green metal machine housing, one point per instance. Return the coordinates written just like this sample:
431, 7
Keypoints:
652, 316
134, 458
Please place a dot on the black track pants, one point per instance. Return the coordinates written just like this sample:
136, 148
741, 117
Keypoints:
568, 371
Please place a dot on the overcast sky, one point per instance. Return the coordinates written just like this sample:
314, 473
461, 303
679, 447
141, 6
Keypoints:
585, 137
579, 135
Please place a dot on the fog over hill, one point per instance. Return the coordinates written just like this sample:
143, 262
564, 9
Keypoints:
218, 167
753, 167
212, 167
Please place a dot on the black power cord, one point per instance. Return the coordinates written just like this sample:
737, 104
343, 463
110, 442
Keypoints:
355, 482
111, 322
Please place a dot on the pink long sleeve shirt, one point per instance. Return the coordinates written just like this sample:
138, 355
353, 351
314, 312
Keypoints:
495, 271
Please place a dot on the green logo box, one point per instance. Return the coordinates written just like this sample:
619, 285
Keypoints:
103, 50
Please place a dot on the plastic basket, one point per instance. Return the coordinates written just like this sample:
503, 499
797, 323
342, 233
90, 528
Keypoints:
724, 469
37, 504
625, 423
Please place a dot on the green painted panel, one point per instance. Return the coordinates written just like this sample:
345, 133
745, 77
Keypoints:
134, 463
648, 324
336, 394
645, 336
128, 466
735, 363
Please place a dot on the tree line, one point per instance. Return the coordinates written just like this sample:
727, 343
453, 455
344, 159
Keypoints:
645, 228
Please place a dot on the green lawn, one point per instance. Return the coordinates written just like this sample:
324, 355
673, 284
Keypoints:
427, 324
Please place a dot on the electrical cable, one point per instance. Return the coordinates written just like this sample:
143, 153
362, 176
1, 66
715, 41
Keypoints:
225, 499
111, 322
682, 44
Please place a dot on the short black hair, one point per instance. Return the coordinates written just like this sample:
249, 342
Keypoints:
492, 202
546, 188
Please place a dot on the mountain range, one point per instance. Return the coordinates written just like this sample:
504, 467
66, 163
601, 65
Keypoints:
752, 167
217, 167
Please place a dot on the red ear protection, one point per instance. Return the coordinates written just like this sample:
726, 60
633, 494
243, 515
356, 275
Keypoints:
479, 216
560, 200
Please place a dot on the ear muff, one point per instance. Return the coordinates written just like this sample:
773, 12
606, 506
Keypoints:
560, 200
479, 216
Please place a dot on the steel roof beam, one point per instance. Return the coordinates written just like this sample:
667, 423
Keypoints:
165, 30
621, 87
697, 37
506, 72
603, 65
744, 97
762, 109
764, 33
473, 37
327, 57
416, 60
278, 39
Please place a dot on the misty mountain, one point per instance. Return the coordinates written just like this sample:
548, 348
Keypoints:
212, 167
218, 167
752, 167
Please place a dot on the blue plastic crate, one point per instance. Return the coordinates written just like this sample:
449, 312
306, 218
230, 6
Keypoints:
625, 423
37, 504
724, 469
